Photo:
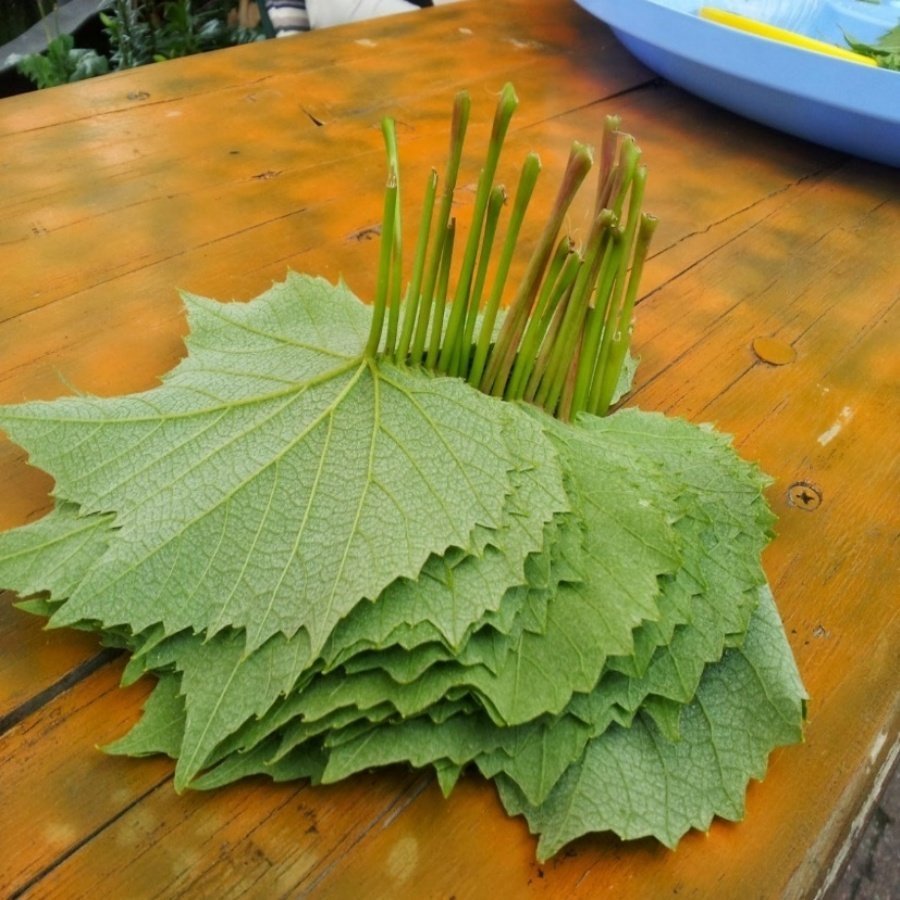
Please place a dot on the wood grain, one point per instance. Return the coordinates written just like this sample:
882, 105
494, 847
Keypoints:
217, 173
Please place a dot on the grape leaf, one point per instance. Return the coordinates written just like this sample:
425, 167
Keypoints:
540, 599
747, 704
307, 761
282, 478
454, 591
224, 687
54, 553
161, 726
726, 567
331, 558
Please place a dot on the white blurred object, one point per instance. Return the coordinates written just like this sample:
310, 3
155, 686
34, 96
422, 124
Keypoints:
324, 13
790, 14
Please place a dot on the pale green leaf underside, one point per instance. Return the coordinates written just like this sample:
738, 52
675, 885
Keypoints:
223, 687
54, 553
161, 726
266, 485
333, 563
455, 590
549, 751
746, 705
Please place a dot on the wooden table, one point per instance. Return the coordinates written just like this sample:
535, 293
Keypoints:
217, 173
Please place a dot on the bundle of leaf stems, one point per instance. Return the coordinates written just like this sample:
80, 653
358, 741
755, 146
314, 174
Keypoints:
565, 336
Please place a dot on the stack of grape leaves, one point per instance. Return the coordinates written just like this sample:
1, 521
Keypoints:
332, 561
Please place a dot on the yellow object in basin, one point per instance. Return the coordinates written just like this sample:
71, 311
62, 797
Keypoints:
763, 29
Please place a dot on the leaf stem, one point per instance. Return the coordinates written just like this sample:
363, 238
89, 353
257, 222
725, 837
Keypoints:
565, 336
506, 106
608, 150
600, 386
541, 364
560, 275
572, 327
622, 335
389, 130
461, 107
411, 307
531, 168
503, 357
629, 156
587, 365
440, 304
550, 326
464, 348
384, 266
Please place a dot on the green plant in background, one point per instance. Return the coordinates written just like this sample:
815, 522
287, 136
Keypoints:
62, 63
144, 31
885, 51
129, 35
183, 32
139, 32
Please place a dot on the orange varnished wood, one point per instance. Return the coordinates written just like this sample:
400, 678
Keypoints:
211, 174
54, 798
33, 659
256, 839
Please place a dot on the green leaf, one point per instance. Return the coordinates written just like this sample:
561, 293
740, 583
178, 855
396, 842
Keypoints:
277, 485
54, 553
161, 726
306, 762
636, 783
454, 591
723, 568
447, 774
223, 688
885, 50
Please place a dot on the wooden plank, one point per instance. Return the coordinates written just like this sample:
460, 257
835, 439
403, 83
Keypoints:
268, 840
453, 46
53, 796
162, 840
71, 342
33, 660
256, 173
